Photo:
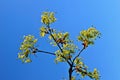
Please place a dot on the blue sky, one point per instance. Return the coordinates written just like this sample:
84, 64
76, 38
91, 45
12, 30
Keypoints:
22, 17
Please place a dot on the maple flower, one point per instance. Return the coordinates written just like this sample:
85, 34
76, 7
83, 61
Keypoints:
95, 74
48, 18
61, 38
88, 36
26, 48
43, 31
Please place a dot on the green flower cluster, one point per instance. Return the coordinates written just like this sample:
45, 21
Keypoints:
43, 31
60, 38
82, 69
88, 36
26, 48
48, 18
62, 56
94, 74
67, 46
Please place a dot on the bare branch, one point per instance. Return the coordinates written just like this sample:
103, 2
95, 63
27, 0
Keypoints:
46, 52
78, 54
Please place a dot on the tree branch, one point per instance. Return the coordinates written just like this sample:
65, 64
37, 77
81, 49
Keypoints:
57, 44
46, 52
55, 41
78, 54
70, 73
70, 64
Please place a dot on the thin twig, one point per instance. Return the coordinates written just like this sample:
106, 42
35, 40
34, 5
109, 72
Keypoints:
46, 52
78, 54
74, 69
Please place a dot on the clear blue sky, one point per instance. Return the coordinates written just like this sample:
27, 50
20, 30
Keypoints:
22, 17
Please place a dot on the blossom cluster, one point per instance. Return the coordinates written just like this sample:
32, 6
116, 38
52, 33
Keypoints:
81, 68
66, 44
48, 18
26, 48
60, 38
43, 31
88, 36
